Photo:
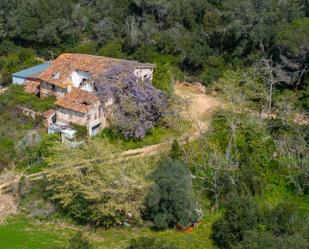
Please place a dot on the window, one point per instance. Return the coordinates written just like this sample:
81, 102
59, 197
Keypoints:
56, 76
95, 129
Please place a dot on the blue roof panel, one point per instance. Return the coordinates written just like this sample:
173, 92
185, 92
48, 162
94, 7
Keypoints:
32, 70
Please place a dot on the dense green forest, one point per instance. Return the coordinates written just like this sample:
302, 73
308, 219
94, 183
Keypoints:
245, 180
199, 37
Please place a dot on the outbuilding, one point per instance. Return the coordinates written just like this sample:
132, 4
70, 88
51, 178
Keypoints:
21, 77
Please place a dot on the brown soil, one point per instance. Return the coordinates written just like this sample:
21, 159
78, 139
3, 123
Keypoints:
7, 206
199, 107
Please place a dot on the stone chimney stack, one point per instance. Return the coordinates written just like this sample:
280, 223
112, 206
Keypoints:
69, 88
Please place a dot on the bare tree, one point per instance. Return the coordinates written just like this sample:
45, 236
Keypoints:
214, 168
294, 153
132, 26
272, 74
215, 172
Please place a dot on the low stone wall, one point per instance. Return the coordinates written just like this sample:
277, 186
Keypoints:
29, 112
47, 116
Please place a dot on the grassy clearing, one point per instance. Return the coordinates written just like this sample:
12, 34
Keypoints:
155, 136
120, 238
21, 232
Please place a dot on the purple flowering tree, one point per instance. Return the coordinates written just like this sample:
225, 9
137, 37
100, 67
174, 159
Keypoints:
138, 104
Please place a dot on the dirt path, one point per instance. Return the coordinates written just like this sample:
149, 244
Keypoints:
197, 109
7, 206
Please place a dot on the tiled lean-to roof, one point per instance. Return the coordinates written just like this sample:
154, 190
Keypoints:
60, 70
78, 100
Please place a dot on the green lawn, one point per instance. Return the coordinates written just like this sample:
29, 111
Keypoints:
20, 232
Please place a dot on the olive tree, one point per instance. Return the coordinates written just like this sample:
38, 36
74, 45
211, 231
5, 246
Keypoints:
171, 199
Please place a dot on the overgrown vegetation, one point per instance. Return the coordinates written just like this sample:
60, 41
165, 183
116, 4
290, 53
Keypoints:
14, 59
15, 96
248, 173
20, 138
193, 39
236, 162
246, 225
101, 195
34, 149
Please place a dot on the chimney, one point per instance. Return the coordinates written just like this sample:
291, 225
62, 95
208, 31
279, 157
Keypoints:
69, 88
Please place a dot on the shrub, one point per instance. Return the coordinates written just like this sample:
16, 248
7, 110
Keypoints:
214, 70
244, 225
242, 87
241, 214
78, 195
162, 78
7, 151
12, 131
295, 36
304, 99
79, 241
265, 240
81, 131
16, 96
150, 243
113, 49
171, 199
175, 151
252, 146
15, 61
35, 152
103, 196
85, 48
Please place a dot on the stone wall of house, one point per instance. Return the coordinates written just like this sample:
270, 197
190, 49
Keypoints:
95, 117
47, 89
144, 73
70, 116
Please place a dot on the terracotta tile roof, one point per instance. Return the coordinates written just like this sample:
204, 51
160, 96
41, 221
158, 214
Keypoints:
78, 100
32, 86
59, 72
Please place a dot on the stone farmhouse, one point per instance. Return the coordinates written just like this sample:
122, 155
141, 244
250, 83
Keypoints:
71, 79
